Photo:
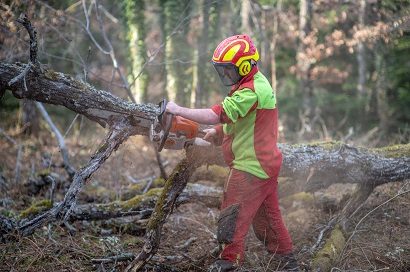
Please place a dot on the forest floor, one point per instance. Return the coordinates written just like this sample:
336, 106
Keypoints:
188, 241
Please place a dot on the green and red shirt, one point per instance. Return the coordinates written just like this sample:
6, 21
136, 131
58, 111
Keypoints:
250, 124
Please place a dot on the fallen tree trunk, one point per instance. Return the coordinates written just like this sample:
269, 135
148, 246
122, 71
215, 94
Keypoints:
142, 205
60, 89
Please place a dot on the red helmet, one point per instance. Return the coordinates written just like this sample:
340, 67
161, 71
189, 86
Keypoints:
232, 58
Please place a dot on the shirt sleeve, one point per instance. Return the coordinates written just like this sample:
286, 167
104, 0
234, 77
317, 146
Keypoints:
223, 118
239, 104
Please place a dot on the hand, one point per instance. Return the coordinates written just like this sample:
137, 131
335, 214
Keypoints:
210, 133
172, 108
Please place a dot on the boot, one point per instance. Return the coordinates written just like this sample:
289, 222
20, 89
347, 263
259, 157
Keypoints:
285, 262
222, 266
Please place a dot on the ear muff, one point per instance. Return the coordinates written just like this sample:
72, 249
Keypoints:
244, 68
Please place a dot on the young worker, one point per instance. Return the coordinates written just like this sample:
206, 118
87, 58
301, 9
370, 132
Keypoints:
248, 135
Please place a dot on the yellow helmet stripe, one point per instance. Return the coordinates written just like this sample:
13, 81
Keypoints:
230, 53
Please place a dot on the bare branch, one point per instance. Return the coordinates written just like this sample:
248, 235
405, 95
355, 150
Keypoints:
66, 157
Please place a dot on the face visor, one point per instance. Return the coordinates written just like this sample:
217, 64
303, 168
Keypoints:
228, 73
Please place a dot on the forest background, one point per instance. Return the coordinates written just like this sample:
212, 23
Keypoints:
340, 70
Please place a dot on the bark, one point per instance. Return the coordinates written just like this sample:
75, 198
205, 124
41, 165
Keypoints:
200, 71
305, 67
381, 91
60, 89
360, 54
137, 56
29, 122
140, 205
246, 12
178, 75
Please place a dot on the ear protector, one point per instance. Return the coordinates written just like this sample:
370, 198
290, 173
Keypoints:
244, 68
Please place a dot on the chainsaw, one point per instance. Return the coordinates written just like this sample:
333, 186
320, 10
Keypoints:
175, 132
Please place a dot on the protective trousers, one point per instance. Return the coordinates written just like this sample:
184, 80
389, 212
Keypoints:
250, 200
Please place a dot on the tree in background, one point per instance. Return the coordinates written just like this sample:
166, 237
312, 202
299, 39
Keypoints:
137, 51
178, 50
204, 73
357, 54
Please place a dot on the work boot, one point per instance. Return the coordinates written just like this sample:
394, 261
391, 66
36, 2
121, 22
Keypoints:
222, 266
285, 262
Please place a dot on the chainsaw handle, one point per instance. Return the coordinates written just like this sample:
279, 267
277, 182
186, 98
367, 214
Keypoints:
166, 132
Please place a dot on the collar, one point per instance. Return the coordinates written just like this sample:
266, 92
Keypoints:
245, 79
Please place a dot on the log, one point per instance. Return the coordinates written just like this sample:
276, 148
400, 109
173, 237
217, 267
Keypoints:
163, 208
318, 165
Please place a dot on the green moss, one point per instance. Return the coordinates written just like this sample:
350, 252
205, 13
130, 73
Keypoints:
36, 208
103, 148
329, 254
305, 199
328, 145
50, 74
45, 172
132, 242
394, 151
136, 201
214, 173
137, 189
298, 216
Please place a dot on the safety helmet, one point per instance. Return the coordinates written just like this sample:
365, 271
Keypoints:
234, 57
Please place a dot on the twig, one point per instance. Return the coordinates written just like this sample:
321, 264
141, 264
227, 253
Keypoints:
117, 258
21, 75
148, 186
33, 41
319, 239
364, 217
161, 165
187, 243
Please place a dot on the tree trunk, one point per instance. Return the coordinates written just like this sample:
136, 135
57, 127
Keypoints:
179, 79
137, 56
29, 122
59, 89
381, 91
246, 13
273, 44
304, 67
360, 54
200, 71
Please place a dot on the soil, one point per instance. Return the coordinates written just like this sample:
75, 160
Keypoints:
188, 242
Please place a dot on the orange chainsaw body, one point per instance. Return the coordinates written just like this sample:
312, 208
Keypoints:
181, 127
174, 132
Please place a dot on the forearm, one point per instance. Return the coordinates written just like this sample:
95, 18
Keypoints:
203, 116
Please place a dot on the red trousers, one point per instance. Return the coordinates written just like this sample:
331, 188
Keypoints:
250, 200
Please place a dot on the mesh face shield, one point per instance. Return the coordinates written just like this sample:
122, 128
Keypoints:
228, 73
